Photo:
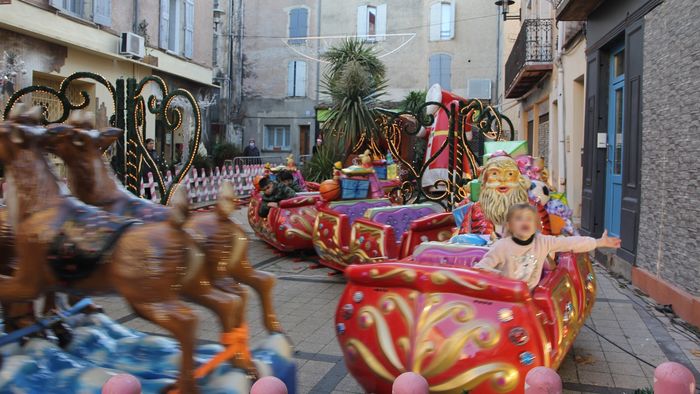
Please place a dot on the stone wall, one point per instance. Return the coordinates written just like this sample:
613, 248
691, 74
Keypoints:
669, 245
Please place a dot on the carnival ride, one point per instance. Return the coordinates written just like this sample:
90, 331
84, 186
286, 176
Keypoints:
152, 255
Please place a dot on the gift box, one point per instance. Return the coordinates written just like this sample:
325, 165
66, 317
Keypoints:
381, 172
392, 171
474, 190
353, 188
513, 148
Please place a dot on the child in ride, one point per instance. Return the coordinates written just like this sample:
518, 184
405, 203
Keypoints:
272, 193
522, 255
287, 178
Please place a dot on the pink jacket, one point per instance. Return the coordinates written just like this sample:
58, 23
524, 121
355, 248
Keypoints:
525, 262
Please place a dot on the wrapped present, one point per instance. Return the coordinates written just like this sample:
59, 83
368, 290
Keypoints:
381, 171
392, 171
561, 196
354, 188
474, 190
512, 148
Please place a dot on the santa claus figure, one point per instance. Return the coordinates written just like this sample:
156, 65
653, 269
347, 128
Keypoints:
437, 134
502, 185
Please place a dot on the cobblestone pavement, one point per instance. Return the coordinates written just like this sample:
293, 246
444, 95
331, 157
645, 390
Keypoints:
306, 297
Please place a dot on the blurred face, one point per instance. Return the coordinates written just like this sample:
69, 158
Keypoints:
268, 189
523, 224
251, 143
151, 145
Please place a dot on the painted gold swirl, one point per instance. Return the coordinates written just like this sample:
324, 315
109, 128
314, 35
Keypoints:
408, 275
372, 314
369, 359
504, 378
441, 277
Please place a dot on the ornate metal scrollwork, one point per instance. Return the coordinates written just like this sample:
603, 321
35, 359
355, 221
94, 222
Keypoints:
484, 121
129, 113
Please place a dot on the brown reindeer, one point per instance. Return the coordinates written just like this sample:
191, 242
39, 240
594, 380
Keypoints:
224, 243
63, 244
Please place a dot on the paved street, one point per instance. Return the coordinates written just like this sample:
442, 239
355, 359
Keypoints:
306, 296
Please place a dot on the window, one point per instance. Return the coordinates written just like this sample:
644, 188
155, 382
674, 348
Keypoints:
296, 79
371, 22
277, 138
441, 70
99, 11
298, 24
177, 19
442, 21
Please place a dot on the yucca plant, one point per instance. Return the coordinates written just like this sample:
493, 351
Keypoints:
320, 166
354, 81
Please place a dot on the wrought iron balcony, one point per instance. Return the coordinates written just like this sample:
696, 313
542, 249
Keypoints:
575, 10
531, 57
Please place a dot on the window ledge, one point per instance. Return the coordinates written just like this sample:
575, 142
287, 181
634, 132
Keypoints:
77, 18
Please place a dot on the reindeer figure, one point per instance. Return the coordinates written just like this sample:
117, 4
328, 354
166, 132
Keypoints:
222, 240
63, 244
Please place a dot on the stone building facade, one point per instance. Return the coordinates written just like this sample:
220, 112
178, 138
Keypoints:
670, 212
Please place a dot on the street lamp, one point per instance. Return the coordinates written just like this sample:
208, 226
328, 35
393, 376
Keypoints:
505, 4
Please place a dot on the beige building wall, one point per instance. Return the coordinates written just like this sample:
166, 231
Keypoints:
473, 48
54, 45
266, 102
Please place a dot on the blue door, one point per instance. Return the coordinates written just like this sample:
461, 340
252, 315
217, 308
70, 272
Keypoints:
616, 105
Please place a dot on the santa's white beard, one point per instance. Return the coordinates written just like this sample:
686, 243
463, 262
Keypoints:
496, 204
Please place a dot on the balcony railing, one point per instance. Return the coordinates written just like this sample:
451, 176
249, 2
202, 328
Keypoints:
531, 57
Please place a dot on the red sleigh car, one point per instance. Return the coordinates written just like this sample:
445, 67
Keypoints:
460, 328
368, 231
289, 226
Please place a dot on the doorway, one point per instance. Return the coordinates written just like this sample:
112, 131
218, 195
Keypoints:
304, 139
615, 143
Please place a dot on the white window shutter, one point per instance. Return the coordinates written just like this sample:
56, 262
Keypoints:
362, 27
381, 22
453, 16
102, 12
290, 79
300, 80
189, 28
164, 33
435, 21
434, 70
57, 4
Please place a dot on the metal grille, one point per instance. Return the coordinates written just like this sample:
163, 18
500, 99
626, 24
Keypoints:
533, 45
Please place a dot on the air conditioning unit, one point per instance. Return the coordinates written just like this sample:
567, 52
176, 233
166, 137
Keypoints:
132, 45
479, 89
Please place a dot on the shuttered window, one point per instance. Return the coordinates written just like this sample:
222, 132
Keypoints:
189, 28
440, 70
371, 22
298, 24
442, 21
296, 79
102, 12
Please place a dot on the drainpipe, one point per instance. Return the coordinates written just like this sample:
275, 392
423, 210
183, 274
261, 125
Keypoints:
317, 132
561, 167
136, 16
498, 57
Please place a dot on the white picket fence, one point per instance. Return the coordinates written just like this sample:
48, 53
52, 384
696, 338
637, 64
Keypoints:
201, 188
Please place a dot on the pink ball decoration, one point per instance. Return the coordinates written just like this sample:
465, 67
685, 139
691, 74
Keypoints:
410, 383
269, 385
673, 378
122, 384
543, 380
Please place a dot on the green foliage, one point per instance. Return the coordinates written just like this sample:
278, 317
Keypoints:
647, 390
413, 101
202, 162
320, 166
225, 151
354, 81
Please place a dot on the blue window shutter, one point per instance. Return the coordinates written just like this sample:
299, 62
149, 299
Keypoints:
164, 32
298, 24
102, 12
300, 79
59, 4
189, 28
446, 71
290, 79
434, 70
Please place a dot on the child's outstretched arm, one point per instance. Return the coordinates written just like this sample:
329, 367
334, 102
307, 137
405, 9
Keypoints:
582, 244
492, 260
